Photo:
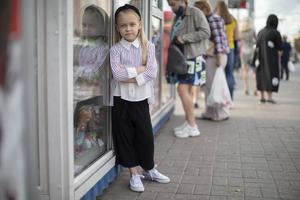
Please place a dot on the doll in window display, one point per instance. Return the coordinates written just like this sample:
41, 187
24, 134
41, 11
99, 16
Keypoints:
87, 131
89, 79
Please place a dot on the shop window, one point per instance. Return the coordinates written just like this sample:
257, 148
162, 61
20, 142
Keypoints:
156, 30
90, 72
136, 3
167, 89
157, 3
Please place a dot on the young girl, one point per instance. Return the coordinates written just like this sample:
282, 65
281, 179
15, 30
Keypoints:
134, 68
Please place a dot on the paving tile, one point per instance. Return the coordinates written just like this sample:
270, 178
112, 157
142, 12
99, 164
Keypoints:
196, 179
191, 171
292, 194
219, 180
235, 191
264, 174
174, 178
221, 165
249, 174
253, 192
269, 192
219, 190
164, 196
190, 197
259, 183
116, 197
171, 170
147, 196
234, 165
205, 171
218, 197
295, 185
186, 189
237, 173
202, 189
170, 187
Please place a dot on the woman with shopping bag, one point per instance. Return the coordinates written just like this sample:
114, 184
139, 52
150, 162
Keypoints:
189, 35
217, 93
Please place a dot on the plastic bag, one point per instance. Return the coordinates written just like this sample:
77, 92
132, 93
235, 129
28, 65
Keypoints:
219, 93
291, 66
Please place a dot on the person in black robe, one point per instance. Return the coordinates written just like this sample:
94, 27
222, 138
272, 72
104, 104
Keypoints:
268, 50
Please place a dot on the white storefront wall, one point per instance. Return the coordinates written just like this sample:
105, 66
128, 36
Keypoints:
53, 75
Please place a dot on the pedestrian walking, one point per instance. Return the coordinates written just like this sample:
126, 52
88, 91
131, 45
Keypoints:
190, 33
248, 40
134, 70
285, 57
216, 59
268, 48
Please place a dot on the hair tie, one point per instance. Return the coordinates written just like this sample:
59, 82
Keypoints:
127, 7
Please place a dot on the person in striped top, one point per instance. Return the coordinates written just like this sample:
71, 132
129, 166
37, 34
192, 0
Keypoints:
216, 57
134, 70
231, 29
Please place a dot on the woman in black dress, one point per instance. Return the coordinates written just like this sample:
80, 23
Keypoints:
268, 50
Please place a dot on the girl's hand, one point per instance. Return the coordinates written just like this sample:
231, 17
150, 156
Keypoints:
140, 69
132, 80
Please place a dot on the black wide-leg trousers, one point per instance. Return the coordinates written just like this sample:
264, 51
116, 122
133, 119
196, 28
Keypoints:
132, 133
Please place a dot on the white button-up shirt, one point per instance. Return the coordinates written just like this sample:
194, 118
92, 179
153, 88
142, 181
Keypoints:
125, 57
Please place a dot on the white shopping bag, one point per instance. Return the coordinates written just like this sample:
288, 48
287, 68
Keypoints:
291, 66
219, 93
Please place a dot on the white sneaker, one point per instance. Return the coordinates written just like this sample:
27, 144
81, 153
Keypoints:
187, 131
181, 126
155, 175
136, 184
194, 131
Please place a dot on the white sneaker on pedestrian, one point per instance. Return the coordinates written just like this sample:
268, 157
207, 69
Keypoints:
194, 131
181, 126
136, 184
155, 175
182, 133
187, 131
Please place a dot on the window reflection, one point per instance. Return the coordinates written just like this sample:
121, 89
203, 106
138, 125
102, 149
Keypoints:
90, 53
166, 88
136, 3
156, 3
156, 40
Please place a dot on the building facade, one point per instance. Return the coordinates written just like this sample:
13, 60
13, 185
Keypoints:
67, 45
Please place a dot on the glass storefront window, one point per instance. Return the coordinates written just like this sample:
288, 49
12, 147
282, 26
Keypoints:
156, 39
136, 3
166, 88
157, 3
90, 72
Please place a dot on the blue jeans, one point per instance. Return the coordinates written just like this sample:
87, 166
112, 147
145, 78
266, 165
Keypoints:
229, 72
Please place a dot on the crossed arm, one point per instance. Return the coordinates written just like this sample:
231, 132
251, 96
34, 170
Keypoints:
131, 74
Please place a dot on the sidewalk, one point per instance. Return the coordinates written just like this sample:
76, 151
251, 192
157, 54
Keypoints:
253, 155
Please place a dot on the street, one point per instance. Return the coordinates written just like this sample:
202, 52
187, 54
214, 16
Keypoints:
253, 155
